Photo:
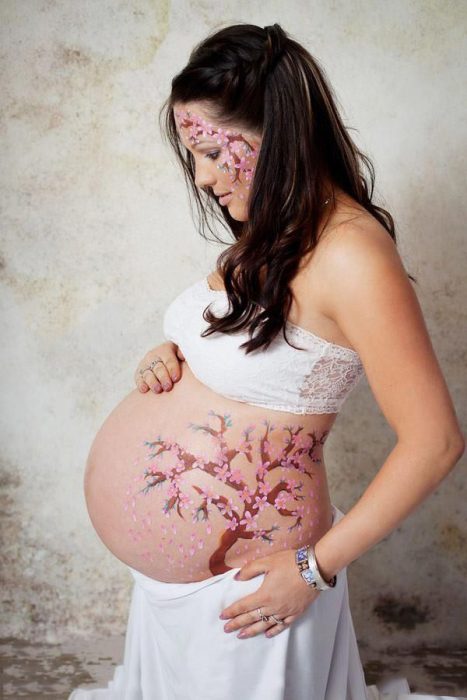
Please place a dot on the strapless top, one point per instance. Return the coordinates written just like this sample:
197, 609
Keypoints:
316, 379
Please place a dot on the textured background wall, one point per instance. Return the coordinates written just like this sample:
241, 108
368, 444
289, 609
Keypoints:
97, 238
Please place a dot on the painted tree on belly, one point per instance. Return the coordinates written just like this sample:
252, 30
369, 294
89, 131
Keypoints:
296, 454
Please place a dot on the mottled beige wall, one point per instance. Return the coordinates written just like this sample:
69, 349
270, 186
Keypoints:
97, 238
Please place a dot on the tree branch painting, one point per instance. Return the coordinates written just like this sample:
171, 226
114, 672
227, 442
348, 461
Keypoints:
297, 452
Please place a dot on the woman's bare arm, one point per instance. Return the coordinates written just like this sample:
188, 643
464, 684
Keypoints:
371, 299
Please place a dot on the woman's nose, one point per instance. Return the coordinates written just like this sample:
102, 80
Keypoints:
204, 176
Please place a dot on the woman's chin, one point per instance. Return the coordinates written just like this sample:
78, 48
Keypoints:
238, 213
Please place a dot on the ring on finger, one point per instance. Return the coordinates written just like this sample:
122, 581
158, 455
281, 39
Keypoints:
268, 618
277, 620
151, 366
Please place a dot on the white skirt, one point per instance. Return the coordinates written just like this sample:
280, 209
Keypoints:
176, 649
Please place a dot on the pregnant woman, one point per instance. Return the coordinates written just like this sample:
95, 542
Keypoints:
219, 469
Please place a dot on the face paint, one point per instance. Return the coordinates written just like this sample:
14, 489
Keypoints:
237, 158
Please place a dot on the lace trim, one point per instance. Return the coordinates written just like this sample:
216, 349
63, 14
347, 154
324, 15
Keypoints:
309, 410
332, 379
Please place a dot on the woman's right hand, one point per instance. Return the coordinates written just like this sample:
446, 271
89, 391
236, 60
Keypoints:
163, 374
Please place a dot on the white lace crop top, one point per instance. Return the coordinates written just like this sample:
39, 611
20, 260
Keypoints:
315, 380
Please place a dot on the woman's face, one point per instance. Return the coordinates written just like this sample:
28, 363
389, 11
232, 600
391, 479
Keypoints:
225, 159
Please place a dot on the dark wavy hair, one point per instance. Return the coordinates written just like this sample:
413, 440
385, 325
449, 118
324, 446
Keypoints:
264, 81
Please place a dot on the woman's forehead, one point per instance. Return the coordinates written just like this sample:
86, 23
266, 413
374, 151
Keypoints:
196, 125
199, 122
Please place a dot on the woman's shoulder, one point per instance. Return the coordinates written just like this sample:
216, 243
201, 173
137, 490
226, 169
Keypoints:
351, 232
360, 244
215, 281
354, 243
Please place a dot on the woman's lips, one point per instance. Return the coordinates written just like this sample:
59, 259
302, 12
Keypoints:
225, 199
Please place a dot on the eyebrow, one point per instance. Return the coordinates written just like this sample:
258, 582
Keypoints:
205, 143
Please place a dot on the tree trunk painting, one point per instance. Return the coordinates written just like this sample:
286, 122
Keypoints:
298, 453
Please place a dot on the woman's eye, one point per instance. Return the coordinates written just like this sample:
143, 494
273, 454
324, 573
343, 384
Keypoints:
213, 156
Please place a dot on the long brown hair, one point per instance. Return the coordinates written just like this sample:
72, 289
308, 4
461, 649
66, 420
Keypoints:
264, 81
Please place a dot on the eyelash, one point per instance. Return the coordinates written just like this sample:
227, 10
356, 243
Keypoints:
213, 156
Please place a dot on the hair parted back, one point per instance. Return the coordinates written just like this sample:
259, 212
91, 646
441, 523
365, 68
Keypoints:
260, 79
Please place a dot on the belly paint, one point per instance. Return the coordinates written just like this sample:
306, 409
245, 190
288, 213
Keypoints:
259, 487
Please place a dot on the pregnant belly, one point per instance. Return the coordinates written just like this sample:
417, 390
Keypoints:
187, 484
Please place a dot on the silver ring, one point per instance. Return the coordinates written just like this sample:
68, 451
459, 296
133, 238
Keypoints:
276, 620
151, 366
264, 618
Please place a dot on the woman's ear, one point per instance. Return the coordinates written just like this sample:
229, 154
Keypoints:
255, 142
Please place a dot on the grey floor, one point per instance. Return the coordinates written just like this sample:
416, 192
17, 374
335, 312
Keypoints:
50, 672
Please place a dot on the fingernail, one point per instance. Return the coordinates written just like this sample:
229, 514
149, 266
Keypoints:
241, 635
157, 390
237, 576
167, 386
174, 376
222, 616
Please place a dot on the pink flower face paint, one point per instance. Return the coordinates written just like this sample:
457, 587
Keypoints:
237, 156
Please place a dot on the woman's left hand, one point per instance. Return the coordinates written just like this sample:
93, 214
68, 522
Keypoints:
283, 593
